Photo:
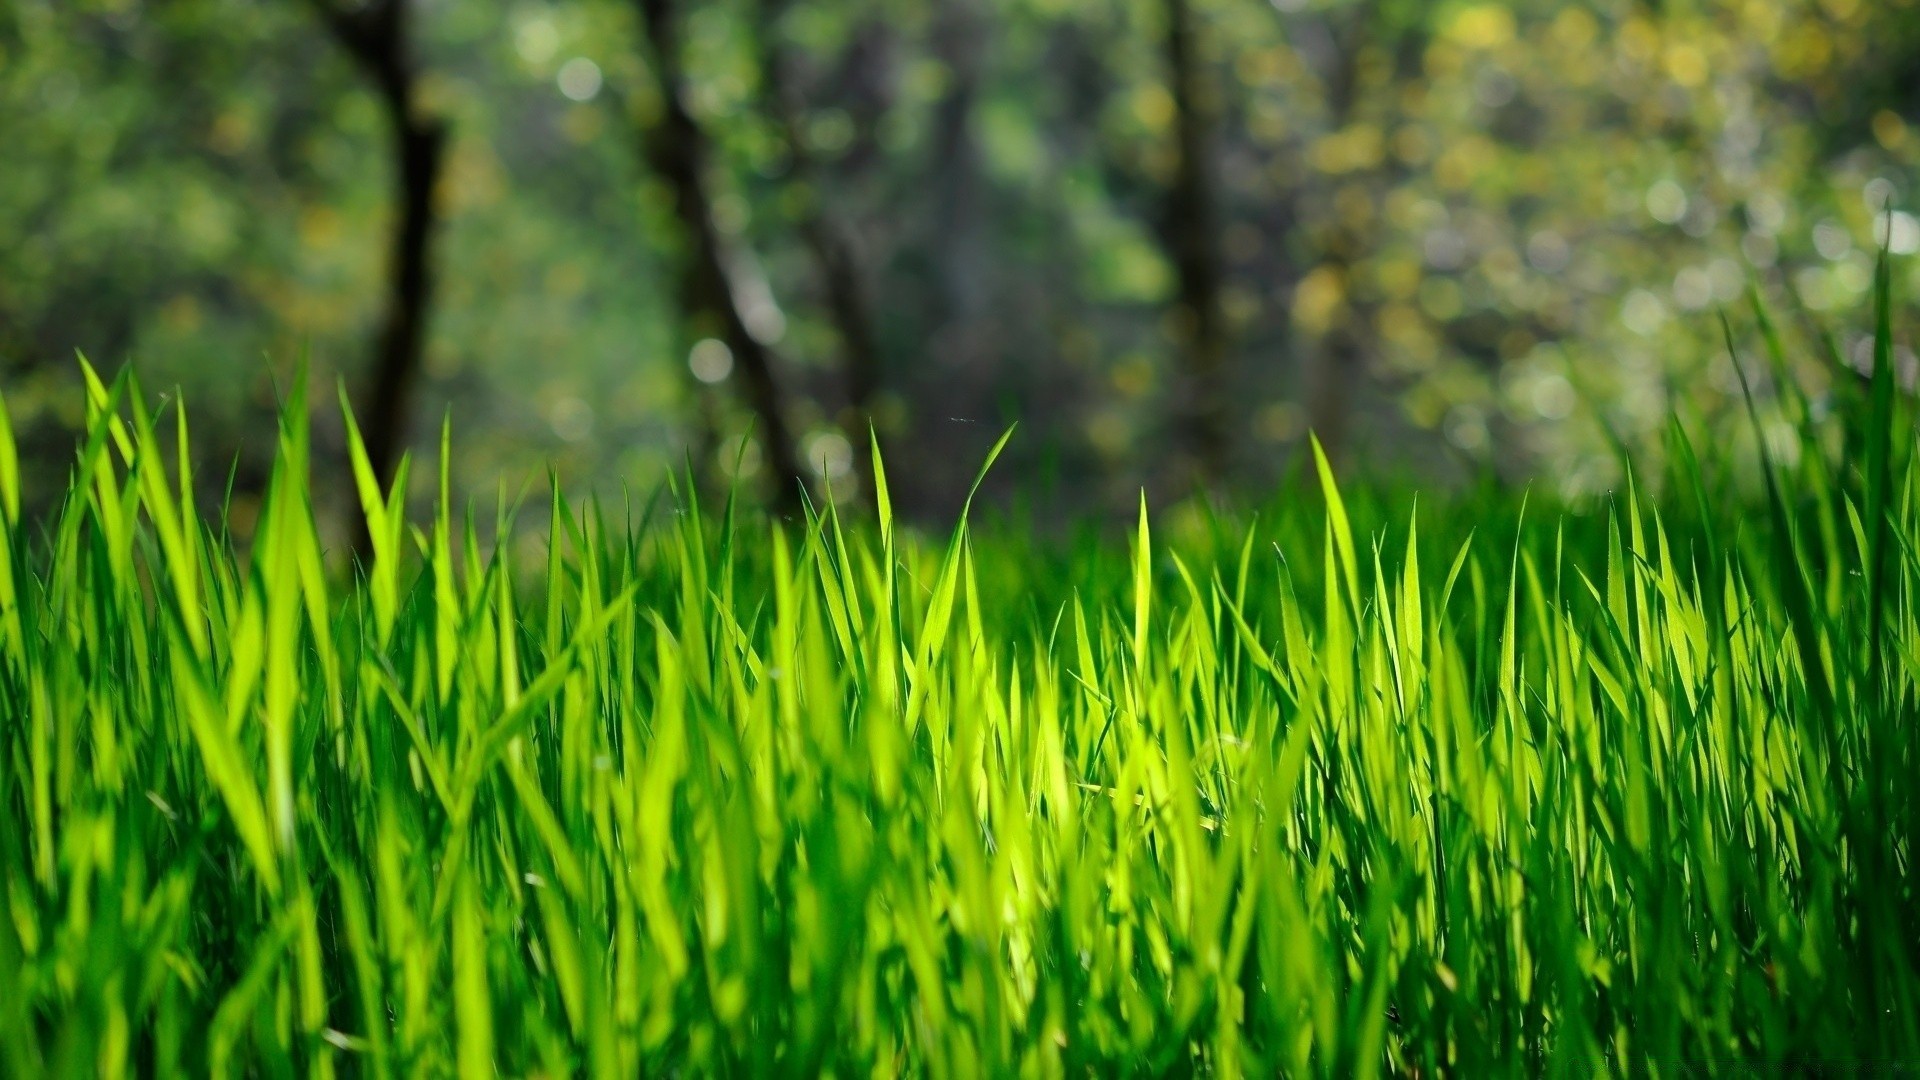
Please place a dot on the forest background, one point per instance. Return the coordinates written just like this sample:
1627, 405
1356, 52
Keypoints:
1169, 237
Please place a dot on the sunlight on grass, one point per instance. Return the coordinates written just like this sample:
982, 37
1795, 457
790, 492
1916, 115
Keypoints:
1627, 788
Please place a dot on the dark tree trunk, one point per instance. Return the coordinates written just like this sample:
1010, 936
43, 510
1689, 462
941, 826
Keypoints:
390, 393
376, 37
1193, 238
836, 253
677, 149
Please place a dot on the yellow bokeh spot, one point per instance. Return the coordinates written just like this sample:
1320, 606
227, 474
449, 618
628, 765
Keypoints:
1889, 130
232, 132
1318, 298
1804, 53
1460, 165
439, 94
1761, 19
1440, 298
1575, 29
1260, 67
1350, 150
1409, 209
1537, 175
1406, 329
1482, 26
1398, 277
1639, 39
1153, 107
319, 226
1686, 65
1444, 60
1500, 262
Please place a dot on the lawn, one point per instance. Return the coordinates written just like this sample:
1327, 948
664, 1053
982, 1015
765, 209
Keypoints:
1478, 783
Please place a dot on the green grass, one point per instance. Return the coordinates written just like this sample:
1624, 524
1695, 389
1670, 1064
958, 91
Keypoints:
1351, 787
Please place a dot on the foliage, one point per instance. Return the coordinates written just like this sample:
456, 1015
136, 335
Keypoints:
1486, 786
1512, 207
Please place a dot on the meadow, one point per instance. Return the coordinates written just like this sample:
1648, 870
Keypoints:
1475, 783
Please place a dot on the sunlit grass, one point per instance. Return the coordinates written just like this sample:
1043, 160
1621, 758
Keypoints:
1349, 787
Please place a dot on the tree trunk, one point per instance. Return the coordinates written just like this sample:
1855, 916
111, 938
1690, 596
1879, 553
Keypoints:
677, 149
390, 389
376, 38
1193, 238
835, 252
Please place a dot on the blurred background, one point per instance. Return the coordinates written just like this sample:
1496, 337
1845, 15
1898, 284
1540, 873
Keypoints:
1169, 237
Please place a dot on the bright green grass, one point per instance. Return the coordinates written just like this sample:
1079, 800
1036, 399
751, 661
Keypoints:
1345, 788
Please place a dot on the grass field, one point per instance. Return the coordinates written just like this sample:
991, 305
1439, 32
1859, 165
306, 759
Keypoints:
1355, 786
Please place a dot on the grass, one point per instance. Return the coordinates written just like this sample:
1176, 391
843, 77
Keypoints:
1348, 788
